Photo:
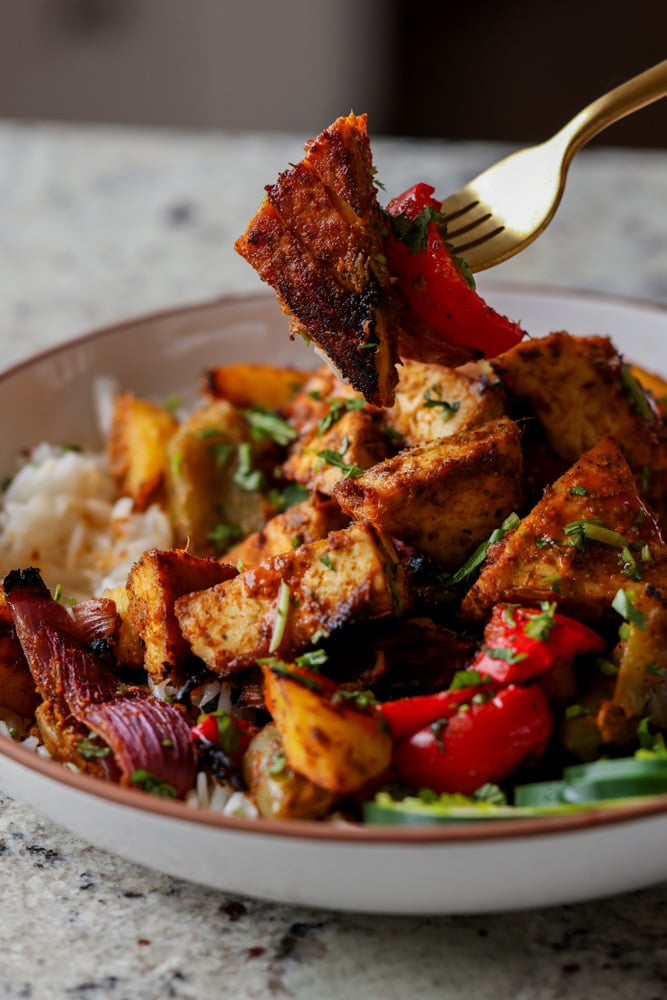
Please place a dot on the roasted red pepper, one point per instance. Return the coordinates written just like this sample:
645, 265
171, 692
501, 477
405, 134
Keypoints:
480, 743
433, 283
406, 716
226, 732
521, 643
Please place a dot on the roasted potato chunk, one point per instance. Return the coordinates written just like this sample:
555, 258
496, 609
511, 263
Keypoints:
154, 583
353, 443
246, 386
303, 523
641, 683
584, 540
326, 736
276, 789
445, 497
280, 605
215, 479
434, 402
137, 448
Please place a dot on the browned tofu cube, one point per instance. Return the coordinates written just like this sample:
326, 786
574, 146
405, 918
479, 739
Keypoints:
313, 403
244, 385
445, 497
137, 448
582, 391
154, 583
281, 606
303, 523
434, 402
353, 443
589, 535
127, 644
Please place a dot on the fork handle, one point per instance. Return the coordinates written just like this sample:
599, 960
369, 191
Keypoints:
630, 96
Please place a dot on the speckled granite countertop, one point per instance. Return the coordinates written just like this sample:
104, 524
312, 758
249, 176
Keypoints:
99, 224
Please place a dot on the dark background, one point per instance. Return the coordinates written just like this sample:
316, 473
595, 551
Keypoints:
483, 69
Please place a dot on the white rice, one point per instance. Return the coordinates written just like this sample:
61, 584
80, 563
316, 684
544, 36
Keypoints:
60, 514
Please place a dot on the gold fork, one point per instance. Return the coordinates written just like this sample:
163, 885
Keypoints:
506, 207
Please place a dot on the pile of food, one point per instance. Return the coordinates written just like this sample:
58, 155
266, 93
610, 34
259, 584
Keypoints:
424, 582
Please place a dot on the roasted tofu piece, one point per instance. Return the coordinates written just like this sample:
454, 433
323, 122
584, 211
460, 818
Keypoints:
589, 535
327, 736
276, 789
582, 391
433, 402
281, 606
322, 398
137, 448
127, 644
303, 523
641, 682
216, 475
445, 497
266, 387
154, 584
317, 239
354, 442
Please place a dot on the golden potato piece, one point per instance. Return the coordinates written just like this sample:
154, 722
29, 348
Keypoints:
641, 682
154, 583
276, 789
244, 385
280, 605
434, 402
444, 497
327, 738
137, 448
303, 523
587, 537
215, 478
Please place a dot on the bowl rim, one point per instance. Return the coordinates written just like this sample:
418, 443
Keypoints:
313, 830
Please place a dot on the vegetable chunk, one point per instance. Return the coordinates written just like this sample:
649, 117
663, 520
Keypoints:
582, 391
445, 497
588, 536
137, 448
282, 605
318, 240
154, 584
326, 736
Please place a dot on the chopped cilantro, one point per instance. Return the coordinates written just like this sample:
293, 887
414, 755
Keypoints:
152, 783
222, 536
267, 425
433, 398
622, 603
246, 478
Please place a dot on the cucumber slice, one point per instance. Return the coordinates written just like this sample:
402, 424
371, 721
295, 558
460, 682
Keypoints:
412, 811
622, 767
614, 787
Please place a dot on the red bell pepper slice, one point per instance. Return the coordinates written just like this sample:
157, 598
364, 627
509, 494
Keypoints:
485, 743
226, 732
406, 716
520, 643
432, 282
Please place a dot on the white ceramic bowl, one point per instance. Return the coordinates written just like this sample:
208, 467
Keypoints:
450, 869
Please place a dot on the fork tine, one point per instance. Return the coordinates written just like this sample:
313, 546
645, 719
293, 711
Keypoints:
484, 230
